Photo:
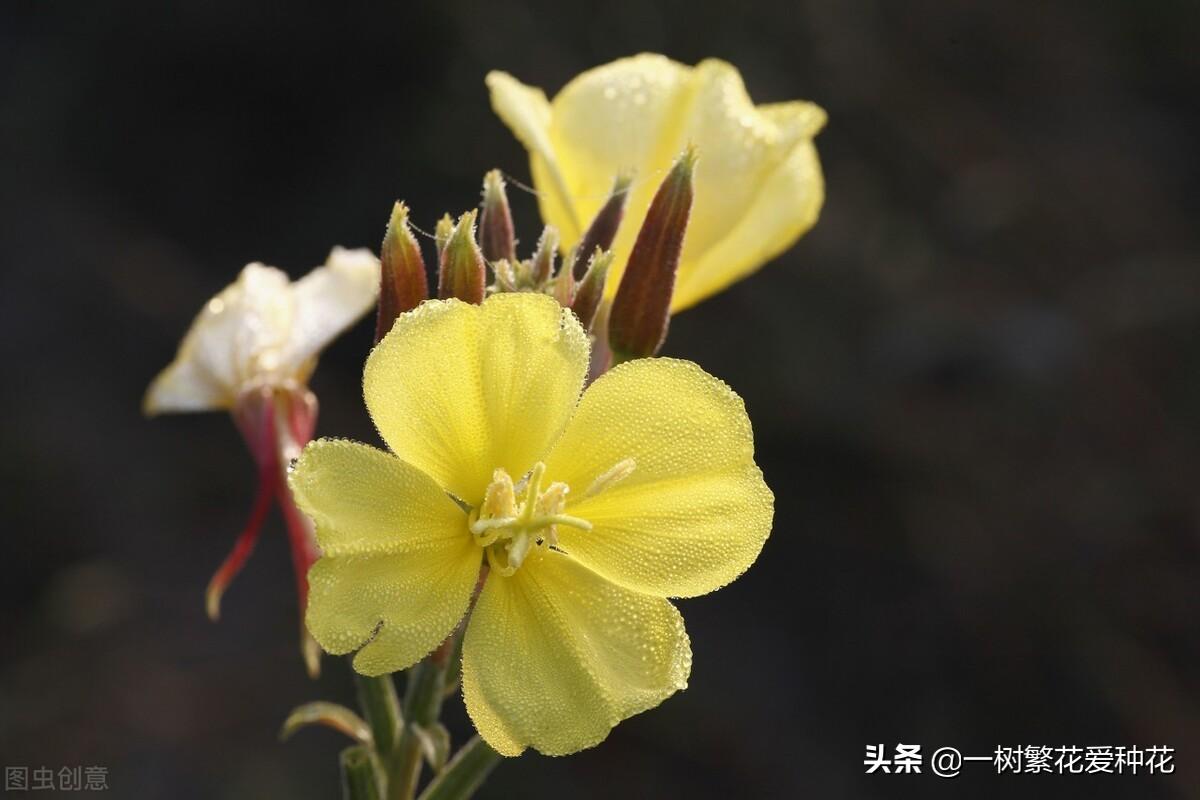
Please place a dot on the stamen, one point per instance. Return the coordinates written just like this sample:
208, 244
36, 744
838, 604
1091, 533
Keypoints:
508, 532
611, 477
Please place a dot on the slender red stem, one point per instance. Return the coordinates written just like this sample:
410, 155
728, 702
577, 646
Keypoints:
243, 546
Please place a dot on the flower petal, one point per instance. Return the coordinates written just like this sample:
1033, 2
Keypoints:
555, 656
621, 117
238, 334
398, 565
328, 300
758, 182
458, 390
526, 112
694, 512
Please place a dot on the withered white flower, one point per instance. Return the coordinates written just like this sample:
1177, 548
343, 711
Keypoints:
264, 330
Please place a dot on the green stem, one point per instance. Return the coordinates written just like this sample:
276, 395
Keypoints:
381, 706
359, 781
465, 773
422, 706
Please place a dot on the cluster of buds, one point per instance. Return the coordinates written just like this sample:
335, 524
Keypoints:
482, 241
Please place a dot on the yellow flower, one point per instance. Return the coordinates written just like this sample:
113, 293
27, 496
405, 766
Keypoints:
590, 511
263, 330
758, 180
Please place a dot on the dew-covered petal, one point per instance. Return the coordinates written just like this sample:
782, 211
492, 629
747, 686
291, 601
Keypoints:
622, 117
638, 114
694, 512
458, 390
525, 110
759, 187
328, 300
398, 565
555, 656
238, 335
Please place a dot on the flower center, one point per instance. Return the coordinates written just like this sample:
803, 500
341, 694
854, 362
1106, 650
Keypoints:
515, 518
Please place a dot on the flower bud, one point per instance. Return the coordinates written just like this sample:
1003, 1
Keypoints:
496, 237
441, 234
591, 288
461, 271
641, 310
403, 284
603, 230
563, 285
506, 277
543, 257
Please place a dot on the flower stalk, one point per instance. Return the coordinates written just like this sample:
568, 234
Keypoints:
465, 773
359, 778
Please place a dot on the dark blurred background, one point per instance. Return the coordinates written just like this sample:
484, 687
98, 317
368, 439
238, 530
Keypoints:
974, 385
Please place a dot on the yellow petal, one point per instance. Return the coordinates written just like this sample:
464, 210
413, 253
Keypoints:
758, 181
694, 512
555, 656
459, 390
526, 112
328, 300
237, 335
398, 566
620, 117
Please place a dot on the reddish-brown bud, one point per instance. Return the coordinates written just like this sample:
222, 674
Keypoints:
403, 285
641, 310
496, 237
603, 230
462, 271
591, 289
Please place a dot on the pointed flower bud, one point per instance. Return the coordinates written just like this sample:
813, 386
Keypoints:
603, 230
591, 288
543, 257
496, 237
441, 234
563, 285
506, 277
462, 272
641, 309
403, 284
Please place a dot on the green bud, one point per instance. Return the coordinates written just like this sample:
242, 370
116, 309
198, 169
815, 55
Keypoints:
641, 310
543, 258
563, 284
603, 230
591, 288
403, 284
441, 234
496, 237
461, 271
506, 278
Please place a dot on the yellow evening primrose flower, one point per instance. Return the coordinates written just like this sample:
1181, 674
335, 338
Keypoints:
758, 180
264, 330
589, 510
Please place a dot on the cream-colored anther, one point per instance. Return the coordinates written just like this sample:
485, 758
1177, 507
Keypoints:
611, 477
